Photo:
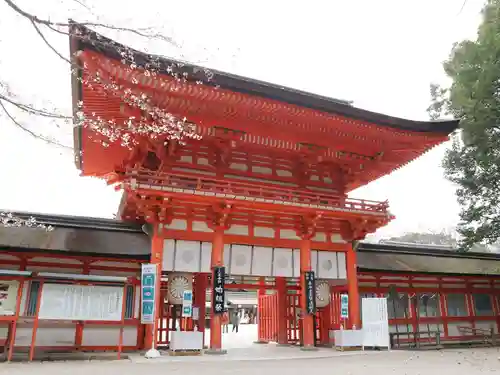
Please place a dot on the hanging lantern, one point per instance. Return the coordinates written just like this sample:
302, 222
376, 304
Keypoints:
323, 295
177, 284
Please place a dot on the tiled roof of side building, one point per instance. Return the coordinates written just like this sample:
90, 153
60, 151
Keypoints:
112, 238
394, 258
79, 235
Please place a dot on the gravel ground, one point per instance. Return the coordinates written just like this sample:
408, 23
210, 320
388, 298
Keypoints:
456, 362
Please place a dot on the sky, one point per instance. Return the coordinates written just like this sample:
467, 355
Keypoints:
382, 55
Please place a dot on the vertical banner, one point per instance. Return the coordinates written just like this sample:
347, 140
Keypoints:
344, 306
218, 295
187, 304
196, 313
310, 291
148, 293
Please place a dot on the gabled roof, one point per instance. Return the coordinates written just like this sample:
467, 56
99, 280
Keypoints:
366, 144
83, 38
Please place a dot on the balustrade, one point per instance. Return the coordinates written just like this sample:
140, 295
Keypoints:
235, 189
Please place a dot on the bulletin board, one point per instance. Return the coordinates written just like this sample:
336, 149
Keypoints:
81, 302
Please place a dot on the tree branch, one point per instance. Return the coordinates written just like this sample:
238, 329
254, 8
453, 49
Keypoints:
33, 110
47, 42
46, 22
22, 127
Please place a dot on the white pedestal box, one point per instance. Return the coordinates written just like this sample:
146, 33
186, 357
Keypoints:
186, 340
347, 338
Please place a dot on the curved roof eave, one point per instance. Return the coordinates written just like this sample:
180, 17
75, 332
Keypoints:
82, 38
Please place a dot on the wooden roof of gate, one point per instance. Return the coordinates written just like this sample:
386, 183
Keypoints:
375, 144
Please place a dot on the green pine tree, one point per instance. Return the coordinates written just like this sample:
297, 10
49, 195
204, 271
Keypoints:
473, 162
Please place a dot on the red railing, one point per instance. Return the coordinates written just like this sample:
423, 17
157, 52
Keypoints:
238, 189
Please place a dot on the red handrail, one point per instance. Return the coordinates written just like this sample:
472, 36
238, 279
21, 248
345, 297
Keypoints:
238, 188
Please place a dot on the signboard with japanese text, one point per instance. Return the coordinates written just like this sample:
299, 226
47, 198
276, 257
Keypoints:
218, 295
187, 304
310, 286
344, 306
148, 293
196, 313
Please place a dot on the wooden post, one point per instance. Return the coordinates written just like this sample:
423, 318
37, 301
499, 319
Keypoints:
217, 260
352, 288
201, 285
307, 319
150, 339
263, 311
325, 322
13, 326
122, 322
282, 292
35, 322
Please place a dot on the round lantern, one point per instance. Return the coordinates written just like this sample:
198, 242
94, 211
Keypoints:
177, 284
323, 295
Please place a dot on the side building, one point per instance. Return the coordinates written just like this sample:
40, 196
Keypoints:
73, 284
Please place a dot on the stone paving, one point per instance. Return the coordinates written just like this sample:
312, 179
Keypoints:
453, 362
244, 358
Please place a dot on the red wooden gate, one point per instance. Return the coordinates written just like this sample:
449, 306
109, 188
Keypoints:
293, 321
164, 321
268, 317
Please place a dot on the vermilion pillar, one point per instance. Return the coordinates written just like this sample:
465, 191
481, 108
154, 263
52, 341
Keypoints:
352, 288
201, 297
216, 319
307, 320
281, 290
156, 258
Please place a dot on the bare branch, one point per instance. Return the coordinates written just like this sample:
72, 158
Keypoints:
22, 127
33, 110
47, 42
139, 32
81, 3
462, 7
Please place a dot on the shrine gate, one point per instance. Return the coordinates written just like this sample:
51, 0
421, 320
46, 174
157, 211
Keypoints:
229, 171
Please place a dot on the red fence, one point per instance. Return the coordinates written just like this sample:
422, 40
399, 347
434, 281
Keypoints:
293, 321
268, 317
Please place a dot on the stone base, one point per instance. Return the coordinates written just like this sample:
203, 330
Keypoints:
152, 353
283, 345
261, 342
215, 351
308, 348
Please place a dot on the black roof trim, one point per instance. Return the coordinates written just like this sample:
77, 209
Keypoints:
82, 38
422, 251
67, 221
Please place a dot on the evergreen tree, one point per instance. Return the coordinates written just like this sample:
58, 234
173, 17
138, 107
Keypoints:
473, 162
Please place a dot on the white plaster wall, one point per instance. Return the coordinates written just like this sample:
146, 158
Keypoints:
53, 336
64, 335
109, 336
240, 259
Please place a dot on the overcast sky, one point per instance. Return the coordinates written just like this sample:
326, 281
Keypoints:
382, 55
